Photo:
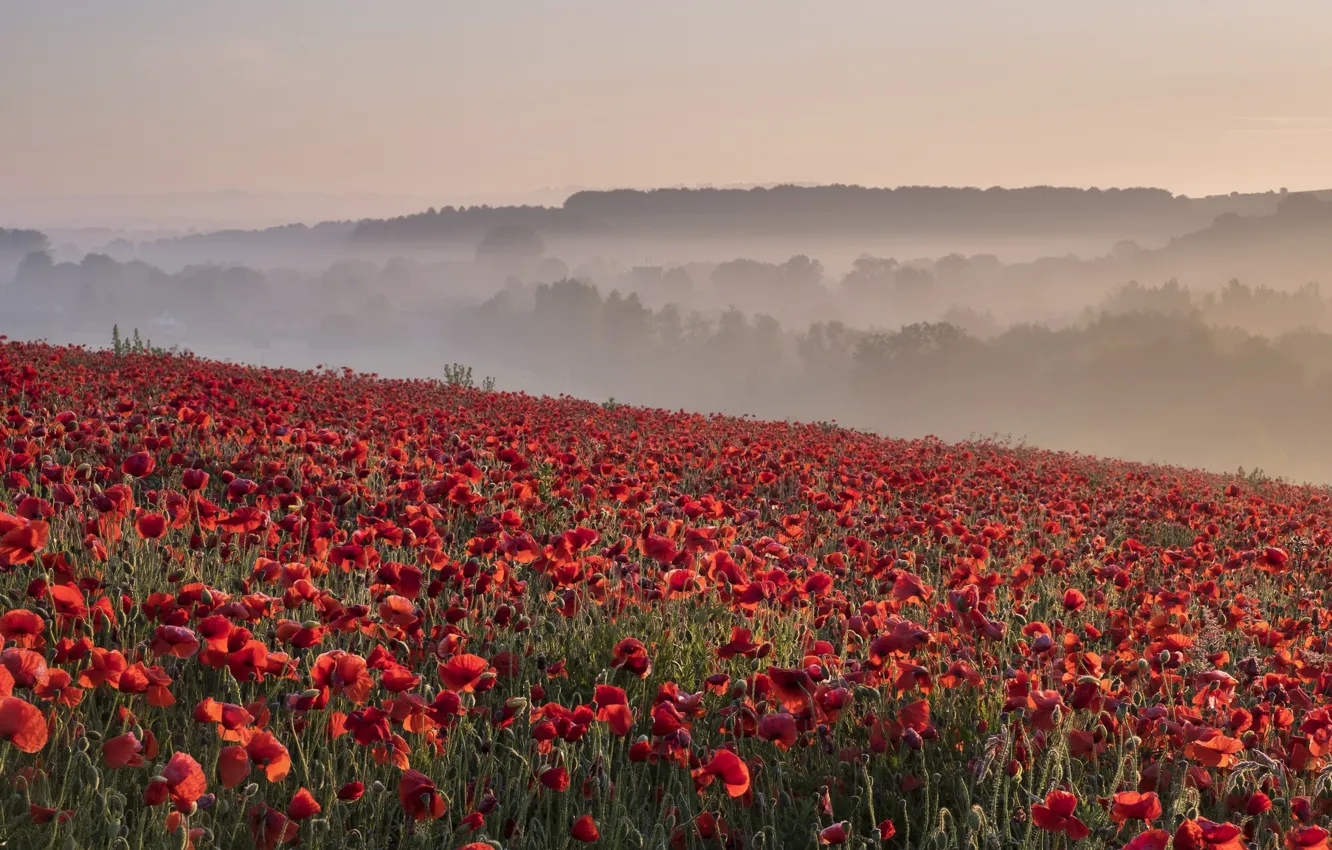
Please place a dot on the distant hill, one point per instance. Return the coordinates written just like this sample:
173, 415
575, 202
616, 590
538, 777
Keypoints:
825, 210
808, 217
1290, 245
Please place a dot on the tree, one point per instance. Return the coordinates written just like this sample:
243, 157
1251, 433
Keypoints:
511, 242
1301, 205
552, 268
677, 283
800, 272
15, 244
870, 277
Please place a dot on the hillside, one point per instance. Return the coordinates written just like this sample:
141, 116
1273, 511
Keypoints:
303, 606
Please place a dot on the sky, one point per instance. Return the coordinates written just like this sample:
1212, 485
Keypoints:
473, 99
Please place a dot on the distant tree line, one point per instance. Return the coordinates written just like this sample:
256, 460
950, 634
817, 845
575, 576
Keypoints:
1150, 385
838, 209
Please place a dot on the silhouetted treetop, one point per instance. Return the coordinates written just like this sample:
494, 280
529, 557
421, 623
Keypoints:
21, 242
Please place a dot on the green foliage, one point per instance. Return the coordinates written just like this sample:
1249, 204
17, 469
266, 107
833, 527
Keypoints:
136, 344
460, 375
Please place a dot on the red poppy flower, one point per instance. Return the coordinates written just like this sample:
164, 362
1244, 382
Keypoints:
20, 539
1131, 805
585, 830
1152, 839
177, 641
780, 728
555, 778
270, 828
27, 667
69, 601
150, 526
351, 791
1307, 838
1216, 751
22, 724
729, 768
138, 465
193, 479
342, 673
419, 797
122, 751
369, 725
835, 834
1056, 815
265, 750
249, 662
233, 766
182, 779
446, 708
303, 805
1203, 834
795, 688
1257, 803
105, 667
465, 673
23, 627
631, 655
43, 814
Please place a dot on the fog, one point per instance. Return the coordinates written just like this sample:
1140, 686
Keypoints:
1135, 324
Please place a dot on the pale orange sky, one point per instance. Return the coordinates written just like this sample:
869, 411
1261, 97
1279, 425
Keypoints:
465, 98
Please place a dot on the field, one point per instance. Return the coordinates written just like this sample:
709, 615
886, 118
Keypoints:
248, 607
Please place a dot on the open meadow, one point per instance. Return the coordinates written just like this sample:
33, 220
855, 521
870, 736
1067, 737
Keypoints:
276, 607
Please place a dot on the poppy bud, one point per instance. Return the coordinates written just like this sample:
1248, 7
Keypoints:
913, 739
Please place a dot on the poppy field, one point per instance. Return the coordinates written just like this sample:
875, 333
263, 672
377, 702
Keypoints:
266, 608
